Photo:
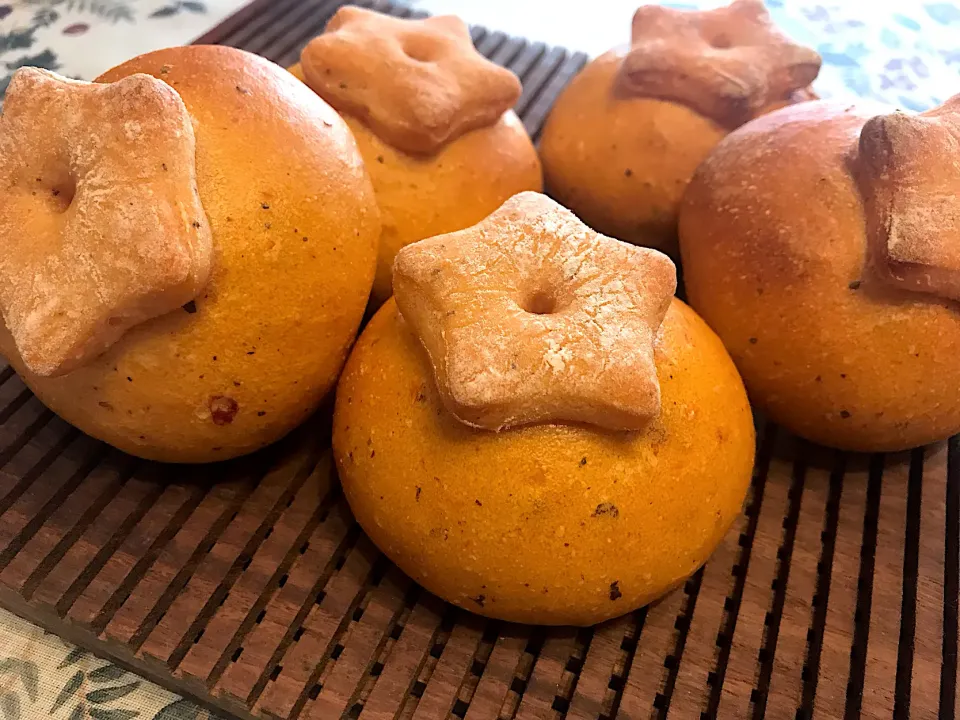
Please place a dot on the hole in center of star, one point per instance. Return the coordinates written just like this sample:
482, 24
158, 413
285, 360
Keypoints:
540, 303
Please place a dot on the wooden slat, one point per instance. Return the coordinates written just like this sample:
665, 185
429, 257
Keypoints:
457, 655
133, 556
830, 700
588, 700
648, 672
240, 538
268, 565
692, 690
286, 610
498, 674
404, 660
881, 656
360, 646
113, 523
158, 587
928, 640
74, 511
785, 694
743, 665
544, 683
67, 470
319, 631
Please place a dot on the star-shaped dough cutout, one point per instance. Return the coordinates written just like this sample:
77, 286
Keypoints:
530, 316
418, 84
727, 64
100, 219
910, 182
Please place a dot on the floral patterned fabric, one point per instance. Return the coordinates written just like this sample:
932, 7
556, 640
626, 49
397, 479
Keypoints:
899, 53
82, 38
42, 676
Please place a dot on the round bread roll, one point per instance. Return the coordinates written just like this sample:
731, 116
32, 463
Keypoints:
566, 515
774, 236
432, 119
625, 136
294, 228
623, 163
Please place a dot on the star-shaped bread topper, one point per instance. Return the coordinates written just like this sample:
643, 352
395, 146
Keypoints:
727, 64
418, 84
100, 219
531, 316
909, 178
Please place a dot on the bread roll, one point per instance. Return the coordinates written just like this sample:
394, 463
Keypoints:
774, 234
624, 455
294, 229
432, 118
626, 135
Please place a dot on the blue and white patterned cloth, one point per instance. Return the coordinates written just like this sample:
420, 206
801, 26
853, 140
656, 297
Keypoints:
902, 53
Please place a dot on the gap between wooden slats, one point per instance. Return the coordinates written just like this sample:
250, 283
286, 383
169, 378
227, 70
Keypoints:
279, 622
452, 667
64, 524
928, 628
692, 689
742, 669
865, 606
107, 577
99, 539
406, 658
649, 672
223, 633
544, 683
154, 591
498, 674
591, 691
218, 568
305, 659
834, 674
785, 683
360, 646
949, 697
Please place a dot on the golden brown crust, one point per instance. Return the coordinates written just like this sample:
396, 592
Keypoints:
622, 163
418, 83
773, 239
101, 223
530, 316
425, 195
295, 229
910, 182
542, 520
726, 63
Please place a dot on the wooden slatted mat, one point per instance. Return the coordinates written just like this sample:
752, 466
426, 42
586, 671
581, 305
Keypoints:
249, 587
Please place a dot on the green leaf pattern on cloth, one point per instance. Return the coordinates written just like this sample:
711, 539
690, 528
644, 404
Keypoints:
43, 676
